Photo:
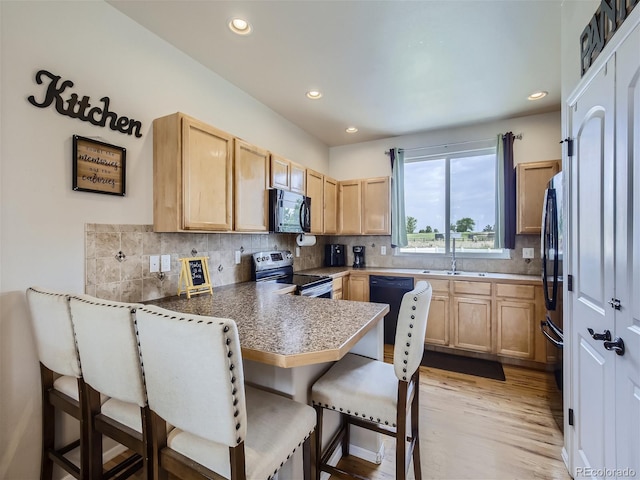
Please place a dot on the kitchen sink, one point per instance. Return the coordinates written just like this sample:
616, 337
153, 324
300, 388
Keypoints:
449, 272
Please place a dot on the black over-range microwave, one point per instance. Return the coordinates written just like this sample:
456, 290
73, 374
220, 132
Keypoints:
289, 212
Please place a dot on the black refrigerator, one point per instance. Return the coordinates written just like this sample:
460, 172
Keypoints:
552, 249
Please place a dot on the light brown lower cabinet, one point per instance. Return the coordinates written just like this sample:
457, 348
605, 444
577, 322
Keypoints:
438, 324
515, 324
358, 287
338, 288
515, 320
483, 317
472, 323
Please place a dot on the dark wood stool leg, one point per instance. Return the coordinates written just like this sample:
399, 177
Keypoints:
401, 432
48, 424
318, 445
415, 434
95, 438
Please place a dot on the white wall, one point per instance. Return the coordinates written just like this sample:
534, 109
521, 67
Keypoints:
41, 219
541, 135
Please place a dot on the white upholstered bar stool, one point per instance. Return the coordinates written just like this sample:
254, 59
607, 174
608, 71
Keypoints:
379, 396
61, 376
108, 349
223, 429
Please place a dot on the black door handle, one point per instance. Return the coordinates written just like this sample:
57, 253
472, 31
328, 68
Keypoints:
606, 335
617, 346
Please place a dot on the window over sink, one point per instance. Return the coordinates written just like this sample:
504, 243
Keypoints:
450, 191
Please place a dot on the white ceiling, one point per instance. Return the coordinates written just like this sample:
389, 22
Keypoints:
389, 68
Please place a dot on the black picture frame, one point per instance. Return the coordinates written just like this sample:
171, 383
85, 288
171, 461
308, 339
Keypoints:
98, 167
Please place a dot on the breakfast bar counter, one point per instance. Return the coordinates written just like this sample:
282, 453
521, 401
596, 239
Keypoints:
284, 330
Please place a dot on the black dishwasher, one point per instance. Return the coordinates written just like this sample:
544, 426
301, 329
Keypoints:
383, 289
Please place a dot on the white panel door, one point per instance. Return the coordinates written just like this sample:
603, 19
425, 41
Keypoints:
592, 245
628, 253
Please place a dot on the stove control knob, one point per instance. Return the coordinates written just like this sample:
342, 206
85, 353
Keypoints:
264, 259
258, 259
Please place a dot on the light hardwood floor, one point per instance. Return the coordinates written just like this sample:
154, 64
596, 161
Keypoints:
476, 428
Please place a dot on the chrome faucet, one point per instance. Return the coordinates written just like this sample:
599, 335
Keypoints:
453, 257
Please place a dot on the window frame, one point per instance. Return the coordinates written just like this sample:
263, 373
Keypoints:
444, 152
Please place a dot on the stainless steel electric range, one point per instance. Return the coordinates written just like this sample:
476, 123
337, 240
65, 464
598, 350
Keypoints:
277, 266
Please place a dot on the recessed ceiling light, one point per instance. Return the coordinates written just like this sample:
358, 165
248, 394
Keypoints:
314, 94
240, 26
538, 95
351, 130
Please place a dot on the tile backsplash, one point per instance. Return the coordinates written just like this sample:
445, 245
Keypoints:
117, 258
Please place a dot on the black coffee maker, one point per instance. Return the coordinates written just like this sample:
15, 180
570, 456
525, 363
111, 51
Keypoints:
358, 256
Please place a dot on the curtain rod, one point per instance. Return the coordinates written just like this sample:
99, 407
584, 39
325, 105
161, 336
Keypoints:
517, 137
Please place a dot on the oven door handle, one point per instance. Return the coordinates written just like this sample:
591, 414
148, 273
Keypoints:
318, 290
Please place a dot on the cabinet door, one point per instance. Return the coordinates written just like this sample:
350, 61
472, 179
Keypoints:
350, 208
250, 188
315, 191
438, 320
280, 172
515, 323
359, 287
297, 178
207, 171
330, 205
532, 181
472, 323
376, 206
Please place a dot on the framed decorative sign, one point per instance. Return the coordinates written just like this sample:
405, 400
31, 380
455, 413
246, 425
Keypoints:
98, 167
194, 276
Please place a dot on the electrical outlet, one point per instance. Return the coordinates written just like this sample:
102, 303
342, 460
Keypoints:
165, 265
527, 253
237, 257
383, 250
154, 263
297, 251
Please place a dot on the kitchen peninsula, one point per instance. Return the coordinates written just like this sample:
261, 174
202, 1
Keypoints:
285, 330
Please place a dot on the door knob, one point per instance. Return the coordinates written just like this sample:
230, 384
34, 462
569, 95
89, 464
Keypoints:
615, 303
617, 346
606, 335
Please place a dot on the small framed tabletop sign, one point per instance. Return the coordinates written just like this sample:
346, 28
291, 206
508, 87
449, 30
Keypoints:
98, 167
194, 276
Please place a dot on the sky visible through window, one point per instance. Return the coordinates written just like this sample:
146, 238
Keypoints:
472, 191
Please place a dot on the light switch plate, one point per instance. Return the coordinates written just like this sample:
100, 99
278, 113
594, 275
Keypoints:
237, 257
383, 250
165, 265
154, 263
527, 253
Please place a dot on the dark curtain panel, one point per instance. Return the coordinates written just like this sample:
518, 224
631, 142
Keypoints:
509, 192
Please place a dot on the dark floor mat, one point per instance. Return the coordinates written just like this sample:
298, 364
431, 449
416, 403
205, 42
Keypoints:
467, 365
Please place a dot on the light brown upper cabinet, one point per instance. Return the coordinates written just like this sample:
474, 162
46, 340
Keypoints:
287, 175
315, 191
251, 181
376, 206
192, 176
330, 205
532, 179
364, 206
350, 207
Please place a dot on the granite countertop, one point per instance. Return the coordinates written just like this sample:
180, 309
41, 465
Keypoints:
336, 272
284, 330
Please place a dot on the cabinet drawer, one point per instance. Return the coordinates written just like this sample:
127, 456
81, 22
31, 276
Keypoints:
472, 288
515, 291
437, 285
